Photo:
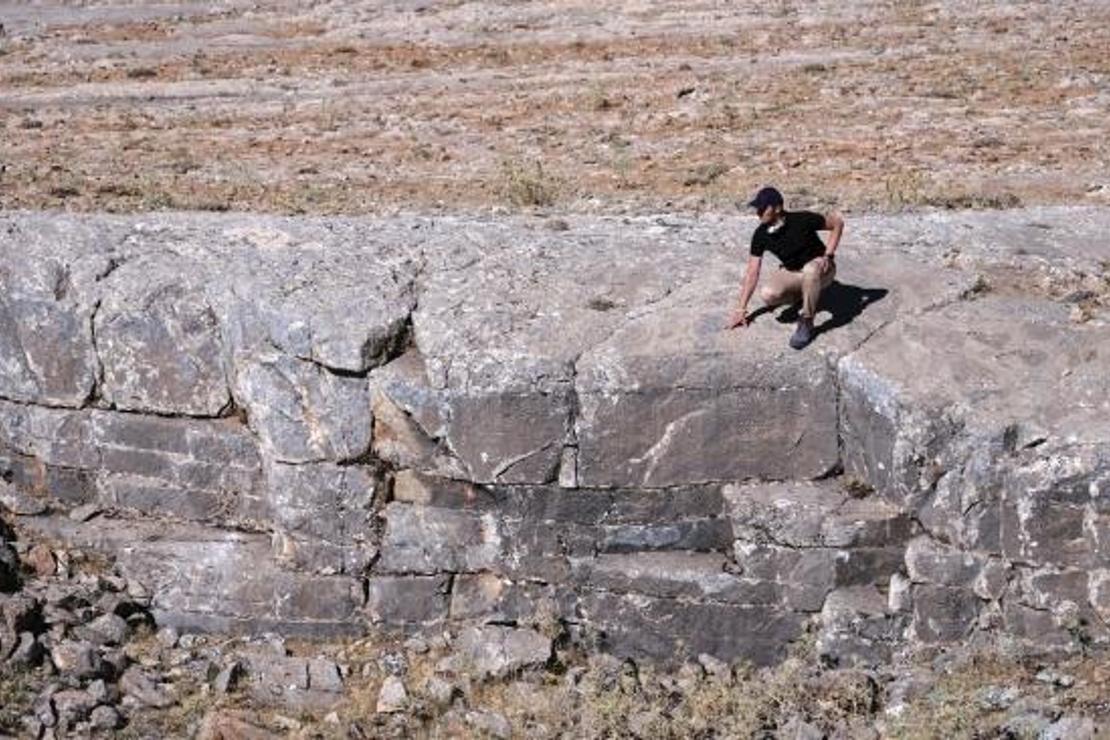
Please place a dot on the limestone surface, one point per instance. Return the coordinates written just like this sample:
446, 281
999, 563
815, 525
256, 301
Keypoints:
327, 426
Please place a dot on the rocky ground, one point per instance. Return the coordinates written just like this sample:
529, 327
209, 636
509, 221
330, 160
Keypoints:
81, 656
370, 107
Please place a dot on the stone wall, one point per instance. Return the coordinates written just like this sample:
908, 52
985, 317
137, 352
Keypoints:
330, 426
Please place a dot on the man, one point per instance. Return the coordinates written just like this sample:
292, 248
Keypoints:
808, 264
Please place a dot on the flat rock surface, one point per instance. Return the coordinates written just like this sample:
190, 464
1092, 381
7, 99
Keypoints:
611, 322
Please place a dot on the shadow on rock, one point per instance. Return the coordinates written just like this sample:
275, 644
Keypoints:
845, 303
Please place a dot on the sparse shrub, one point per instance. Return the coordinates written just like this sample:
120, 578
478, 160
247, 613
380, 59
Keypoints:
527, 185
858, 488
705, 174
905, 189
141, 73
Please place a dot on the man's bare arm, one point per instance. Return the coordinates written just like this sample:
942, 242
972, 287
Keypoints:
834, 222
751, 278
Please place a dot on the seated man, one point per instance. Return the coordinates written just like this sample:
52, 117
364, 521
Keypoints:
807, 263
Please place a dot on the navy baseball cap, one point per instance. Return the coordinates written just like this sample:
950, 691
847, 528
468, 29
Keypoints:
766, 197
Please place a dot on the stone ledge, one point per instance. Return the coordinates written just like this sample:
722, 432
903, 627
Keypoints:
552, 443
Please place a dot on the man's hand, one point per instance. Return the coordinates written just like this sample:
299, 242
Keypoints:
825, 264
739, 317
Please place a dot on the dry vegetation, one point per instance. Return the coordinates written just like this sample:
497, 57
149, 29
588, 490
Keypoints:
372, 107
962, 694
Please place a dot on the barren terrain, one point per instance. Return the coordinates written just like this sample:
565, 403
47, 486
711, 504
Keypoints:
360, 107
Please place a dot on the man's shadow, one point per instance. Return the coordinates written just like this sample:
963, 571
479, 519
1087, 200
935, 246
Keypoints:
843, 302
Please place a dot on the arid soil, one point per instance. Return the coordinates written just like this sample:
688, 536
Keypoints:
359, 107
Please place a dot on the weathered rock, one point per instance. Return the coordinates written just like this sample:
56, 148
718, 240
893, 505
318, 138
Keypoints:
490, 724
228, 725
856, 628
28, 652
400, 600
105, 718
667, 630
495, 599
323, 675
144, 689
228, 677
77, 659
392, 697
107, 629
46, 347
440, 691
322, 504
22, 612
424, 539
303, 412
43, 706
1071, 727
160, 344
673, 575
84, 512
495, 650
943, 614
18, 502
167, 637
212, 579
73, 705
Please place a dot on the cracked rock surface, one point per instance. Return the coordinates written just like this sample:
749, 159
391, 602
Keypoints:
327, 426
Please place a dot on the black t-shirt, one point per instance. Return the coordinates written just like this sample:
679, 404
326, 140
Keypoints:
795, 242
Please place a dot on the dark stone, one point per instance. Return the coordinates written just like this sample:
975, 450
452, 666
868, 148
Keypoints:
944, 614
462, 540
161, 351
698, 577
670, 631
404, 600
107, 629
73, 705
144, 689
77, 659
105, 718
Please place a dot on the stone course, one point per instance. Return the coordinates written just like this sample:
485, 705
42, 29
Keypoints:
328, 426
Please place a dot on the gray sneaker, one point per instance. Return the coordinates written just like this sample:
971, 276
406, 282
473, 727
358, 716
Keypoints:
803, 335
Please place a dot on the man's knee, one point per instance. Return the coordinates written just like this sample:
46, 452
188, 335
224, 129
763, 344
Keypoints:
811, 272
770, 295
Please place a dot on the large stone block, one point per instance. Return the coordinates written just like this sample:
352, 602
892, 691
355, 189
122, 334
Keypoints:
509, 437
401, 601
655, 437
322, 500
161, 349
425, 539
857, 628
671, 631
509, 434
944, 613
490, 598
303, 412
46, 349
697, 577
804, 575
